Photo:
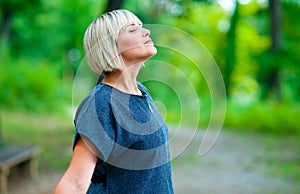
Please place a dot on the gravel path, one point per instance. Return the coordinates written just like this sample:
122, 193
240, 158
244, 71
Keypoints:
237, 164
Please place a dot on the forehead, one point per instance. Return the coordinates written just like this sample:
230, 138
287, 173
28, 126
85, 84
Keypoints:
127, 18
133, 23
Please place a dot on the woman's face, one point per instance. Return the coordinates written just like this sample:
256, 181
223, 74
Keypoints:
134, 44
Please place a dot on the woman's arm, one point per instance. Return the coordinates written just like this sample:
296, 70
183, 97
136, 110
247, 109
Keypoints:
77, 177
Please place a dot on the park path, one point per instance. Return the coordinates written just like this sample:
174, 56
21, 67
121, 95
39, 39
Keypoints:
236, 164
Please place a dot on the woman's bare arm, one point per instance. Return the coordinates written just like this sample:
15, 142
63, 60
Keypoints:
77, 177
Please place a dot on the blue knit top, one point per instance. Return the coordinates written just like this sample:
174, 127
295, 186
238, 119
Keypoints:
129, 137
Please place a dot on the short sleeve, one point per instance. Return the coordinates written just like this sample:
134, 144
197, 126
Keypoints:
98, 138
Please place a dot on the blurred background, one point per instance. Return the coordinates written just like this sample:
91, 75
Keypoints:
255, 43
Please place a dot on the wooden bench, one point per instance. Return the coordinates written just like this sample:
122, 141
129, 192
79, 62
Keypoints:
16, 156
12, 156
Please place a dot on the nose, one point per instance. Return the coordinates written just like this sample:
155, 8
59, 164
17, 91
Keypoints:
146, 32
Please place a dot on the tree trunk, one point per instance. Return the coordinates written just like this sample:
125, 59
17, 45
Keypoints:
230, 49
274, 78
114, 4
5, 29
4, 38
275, 23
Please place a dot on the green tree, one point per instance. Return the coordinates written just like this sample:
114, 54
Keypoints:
9, 11
272, 77
231, 48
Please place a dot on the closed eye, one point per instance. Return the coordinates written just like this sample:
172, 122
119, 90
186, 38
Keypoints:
133, 26
132, 30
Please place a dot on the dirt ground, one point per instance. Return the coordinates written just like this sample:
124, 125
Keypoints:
237, 164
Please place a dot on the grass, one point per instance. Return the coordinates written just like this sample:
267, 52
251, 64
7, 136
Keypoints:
53, 133
283, 159
281, 156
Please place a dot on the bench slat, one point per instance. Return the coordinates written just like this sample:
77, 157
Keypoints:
12, 155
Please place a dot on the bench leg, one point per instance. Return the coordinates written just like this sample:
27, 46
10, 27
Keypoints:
33, 167
30, 168
3, 180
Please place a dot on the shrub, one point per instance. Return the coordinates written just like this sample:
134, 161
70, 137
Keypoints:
30, 86
265, 117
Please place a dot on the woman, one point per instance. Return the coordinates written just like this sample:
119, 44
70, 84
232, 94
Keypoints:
121, 140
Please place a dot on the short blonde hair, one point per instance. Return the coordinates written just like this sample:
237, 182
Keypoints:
100, 40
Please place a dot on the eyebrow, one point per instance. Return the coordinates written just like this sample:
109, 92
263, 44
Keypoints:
133, 24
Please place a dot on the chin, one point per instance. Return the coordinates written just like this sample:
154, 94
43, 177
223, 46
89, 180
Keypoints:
153, 51
150, 52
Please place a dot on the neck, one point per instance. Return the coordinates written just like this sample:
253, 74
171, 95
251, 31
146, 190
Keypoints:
124, 80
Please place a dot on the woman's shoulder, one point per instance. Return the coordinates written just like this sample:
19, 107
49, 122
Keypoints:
99, 96
102, 91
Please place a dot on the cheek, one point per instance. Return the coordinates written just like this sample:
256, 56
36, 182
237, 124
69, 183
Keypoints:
126, 42
128, 46
130, 52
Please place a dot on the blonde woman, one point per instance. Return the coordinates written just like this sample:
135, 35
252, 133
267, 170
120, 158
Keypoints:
121, 140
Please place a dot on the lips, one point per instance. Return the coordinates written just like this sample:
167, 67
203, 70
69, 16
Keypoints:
148, 42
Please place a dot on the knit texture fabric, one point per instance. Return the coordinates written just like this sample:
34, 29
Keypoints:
129, 137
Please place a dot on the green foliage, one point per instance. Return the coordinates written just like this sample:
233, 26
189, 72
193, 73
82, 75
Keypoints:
209, 23
31, 87
42, 50
269, 117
